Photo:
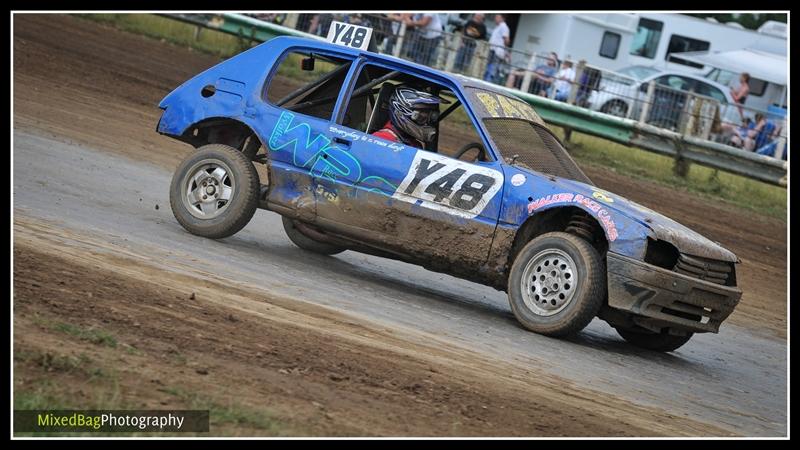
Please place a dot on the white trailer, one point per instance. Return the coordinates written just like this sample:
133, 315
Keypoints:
616, 40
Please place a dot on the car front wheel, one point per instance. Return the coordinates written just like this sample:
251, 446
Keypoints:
660, 342
557, 284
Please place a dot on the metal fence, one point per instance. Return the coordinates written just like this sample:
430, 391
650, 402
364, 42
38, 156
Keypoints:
671, 103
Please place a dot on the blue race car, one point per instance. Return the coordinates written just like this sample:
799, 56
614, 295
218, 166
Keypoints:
486, 193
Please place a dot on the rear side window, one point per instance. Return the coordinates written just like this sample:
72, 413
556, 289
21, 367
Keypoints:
308, 83
610, 45
674, 82
711, 91
757, 87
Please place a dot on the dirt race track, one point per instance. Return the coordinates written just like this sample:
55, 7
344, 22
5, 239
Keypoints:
312, 345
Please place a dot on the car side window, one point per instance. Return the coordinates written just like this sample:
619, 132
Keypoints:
674, 82
711, 91
368, 111
307, 82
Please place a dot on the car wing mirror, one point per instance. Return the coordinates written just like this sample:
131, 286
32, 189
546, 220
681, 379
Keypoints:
307, 64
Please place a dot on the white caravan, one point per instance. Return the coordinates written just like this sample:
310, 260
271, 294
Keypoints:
616, 40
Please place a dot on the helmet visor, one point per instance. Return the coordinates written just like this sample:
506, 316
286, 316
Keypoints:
425, 116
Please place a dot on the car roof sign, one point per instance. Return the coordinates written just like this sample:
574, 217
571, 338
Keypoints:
349, 35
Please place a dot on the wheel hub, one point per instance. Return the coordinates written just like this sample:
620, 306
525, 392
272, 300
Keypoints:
208, 189
548, 282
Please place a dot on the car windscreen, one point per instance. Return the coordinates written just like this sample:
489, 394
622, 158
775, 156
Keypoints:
531, 145
638, 72
521, 136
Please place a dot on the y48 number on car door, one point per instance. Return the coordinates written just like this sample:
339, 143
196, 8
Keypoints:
449, 185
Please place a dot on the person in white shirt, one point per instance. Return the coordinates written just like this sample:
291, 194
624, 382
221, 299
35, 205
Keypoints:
564, 79
429, 27
500, 38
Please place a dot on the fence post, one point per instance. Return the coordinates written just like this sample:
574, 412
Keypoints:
576, 85
526, 80
651, 90
479, 59
686, 115
398, 46
456, 41
690, 125
291, 20
681, 166
552, 93
780, 147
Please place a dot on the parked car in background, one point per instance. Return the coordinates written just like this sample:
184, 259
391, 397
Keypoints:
625, 95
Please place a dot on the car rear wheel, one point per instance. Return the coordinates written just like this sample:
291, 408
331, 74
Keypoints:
660, 342
306, 243
557, 284
214, 191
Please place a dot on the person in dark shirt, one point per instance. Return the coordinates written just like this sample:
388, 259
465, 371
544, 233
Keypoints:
474, 30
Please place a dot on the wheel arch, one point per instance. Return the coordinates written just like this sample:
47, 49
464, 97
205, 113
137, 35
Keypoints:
560, 218
615, 101
219, 130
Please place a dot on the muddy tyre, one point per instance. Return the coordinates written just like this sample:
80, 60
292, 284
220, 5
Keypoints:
557, 284
306, 243
660, 342
214, 191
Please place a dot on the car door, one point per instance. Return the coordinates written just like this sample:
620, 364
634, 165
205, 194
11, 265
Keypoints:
420, 204
295, 130
669, 99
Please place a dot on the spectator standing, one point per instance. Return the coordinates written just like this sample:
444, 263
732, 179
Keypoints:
391, 39
740, 93
499, 40
430, 30
474, 30
564, 79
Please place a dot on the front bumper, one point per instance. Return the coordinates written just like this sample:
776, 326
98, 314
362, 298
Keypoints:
666, 298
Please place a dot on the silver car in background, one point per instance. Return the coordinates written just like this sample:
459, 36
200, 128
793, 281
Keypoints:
624, 93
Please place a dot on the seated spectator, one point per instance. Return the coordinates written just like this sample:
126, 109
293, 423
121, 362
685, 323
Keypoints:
734, 135
769, 150
757, 137
564, 79
543, 76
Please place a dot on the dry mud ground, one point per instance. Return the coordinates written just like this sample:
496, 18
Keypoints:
277, 341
